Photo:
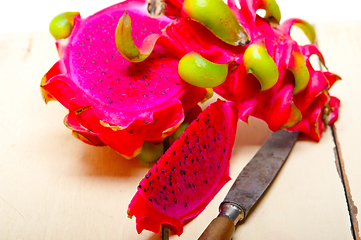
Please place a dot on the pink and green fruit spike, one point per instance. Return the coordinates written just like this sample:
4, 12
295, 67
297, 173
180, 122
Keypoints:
112, 101
273, 79
62, 25
181, 184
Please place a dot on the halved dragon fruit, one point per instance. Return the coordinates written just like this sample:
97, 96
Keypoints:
271, 77
110, 100
181, 184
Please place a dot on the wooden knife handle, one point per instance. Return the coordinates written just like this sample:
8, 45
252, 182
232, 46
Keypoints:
221, 228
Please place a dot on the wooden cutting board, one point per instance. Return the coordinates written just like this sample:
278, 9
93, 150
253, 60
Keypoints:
52, 186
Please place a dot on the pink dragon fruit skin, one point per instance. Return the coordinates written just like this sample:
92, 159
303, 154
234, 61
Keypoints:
111, 101
288, 103
181, 184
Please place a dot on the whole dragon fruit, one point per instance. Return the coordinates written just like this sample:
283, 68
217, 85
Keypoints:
111, 101
253, 62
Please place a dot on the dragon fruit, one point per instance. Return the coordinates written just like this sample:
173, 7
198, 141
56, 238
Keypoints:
111, 101
126, 82
271, 78
180, 185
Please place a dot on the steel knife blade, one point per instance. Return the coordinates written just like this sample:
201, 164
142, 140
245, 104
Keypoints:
250, 184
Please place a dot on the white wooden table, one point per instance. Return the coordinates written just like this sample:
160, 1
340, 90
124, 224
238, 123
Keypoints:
52, 186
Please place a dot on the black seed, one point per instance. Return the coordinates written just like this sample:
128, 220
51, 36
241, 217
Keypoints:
206, 181
146, 176
175, 201
164, 187
218, 166
166, 162
165, 198
150, 183
195, 173
144, 189
163, 93
185, 205
150, 199
139, 186
197, 119
173, 191
163, 170
145, 95
150, 174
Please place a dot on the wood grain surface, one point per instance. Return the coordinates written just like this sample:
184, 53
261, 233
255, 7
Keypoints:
52, 186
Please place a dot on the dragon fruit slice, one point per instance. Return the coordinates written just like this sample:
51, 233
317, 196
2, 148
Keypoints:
110, 100
274, 80
189, 174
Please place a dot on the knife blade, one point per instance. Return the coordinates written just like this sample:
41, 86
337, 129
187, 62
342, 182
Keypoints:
250, 184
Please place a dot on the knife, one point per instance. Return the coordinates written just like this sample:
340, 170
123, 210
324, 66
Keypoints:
250, 184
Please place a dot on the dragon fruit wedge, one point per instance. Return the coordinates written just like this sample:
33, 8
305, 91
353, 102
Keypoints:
181, 184
252, 61
110, 100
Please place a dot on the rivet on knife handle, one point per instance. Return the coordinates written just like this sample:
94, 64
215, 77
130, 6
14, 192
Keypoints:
222, 227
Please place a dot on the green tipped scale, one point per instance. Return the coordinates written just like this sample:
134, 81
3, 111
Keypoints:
151, 152
258, 62
125, 43
218, 18
273, 13
300, 71
200, 72
62, 25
